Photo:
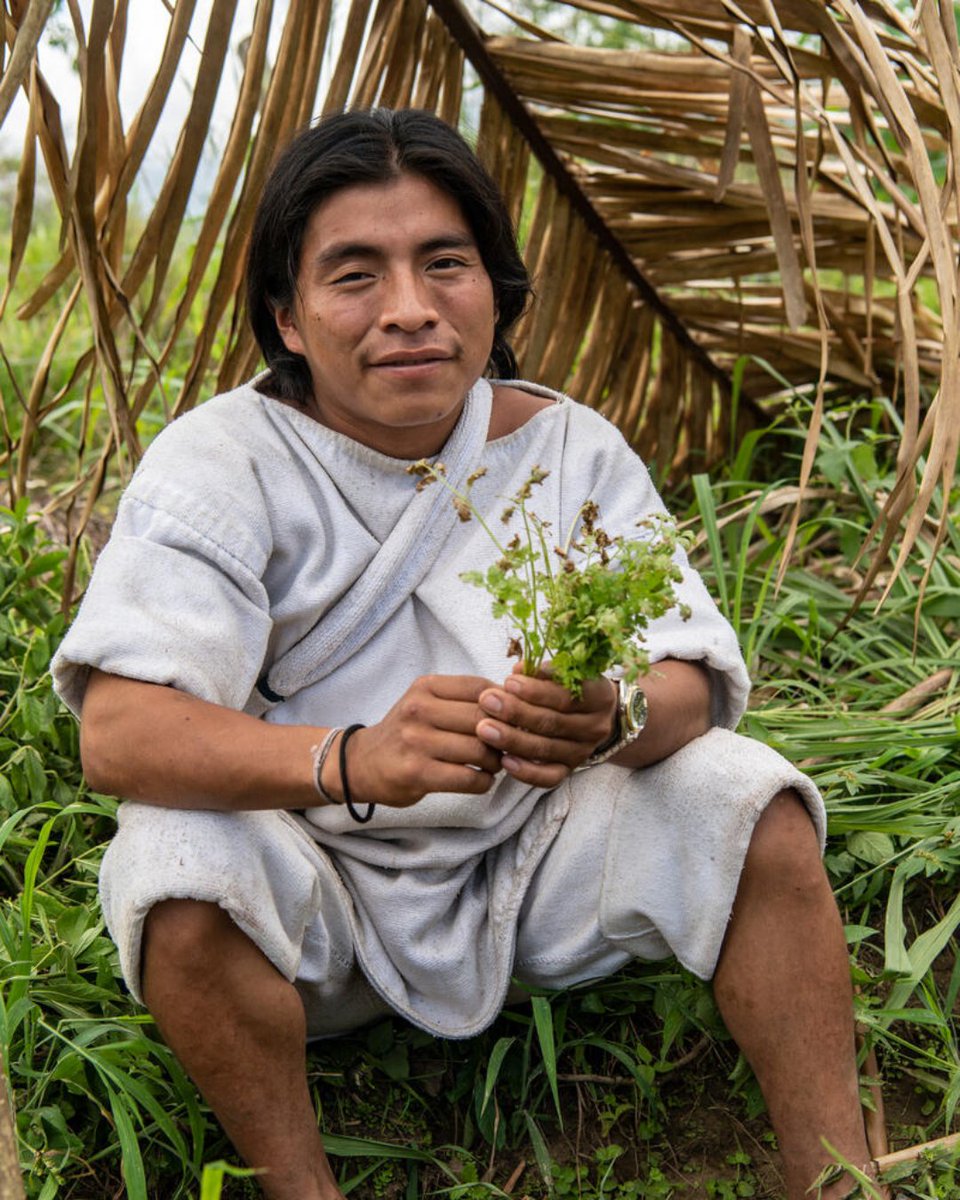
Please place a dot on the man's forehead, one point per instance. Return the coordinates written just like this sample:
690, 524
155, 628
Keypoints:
369, 212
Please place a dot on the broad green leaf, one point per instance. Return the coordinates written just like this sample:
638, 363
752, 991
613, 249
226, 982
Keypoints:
871, 847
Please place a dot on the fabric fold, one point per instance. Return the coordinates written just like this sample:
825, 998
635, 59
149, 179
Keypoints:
400, 564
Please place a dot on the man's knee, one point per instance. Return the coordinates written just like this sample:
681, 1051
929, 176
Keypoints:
184, 937
784, 855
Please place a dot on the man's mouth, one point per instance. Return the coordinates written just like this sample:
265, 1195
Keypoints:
417, 358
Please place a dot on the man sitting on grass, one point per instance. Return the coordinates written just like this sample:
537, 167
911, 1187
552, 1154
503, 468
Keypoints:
340, 801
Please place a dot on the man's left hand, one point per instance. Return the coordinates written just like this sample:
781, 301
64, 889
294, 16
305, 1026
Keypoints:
542, 732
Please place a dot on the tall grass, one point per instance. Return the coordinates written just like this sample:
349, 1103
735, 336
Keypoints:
869, 701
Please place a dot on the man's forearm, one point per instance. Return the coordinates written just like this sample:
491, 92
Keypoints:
159, 745
678, 710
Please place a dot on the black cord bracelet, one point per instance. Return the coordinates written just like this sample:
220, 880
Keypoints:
344, 785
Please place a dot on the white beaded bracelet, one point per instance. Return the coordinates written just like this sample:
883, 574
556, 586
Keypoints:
319, 758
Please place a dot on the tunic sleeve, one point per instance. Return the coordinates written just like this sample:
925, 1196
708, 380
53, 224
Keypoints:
176, 599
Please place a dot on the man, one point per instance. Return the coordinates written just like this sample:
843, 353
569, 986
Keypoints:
278, 627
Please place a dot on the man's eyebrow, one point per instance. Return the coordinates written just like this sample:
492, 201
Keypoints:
341, 251
448, 241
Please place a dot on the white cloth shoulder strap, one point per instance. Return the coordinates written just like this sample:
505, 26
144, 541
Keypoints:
395, 570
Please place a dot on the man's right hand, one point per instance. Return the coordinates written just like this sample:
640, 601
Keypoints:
163, 746
426, 743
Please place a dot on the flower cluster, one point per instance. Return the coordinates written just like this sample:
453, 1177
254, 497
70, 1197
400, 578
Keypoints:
582, 604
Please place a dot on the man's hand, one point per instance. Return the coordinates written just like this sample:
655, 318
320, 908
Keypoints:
542, 732
162, 746
428, 742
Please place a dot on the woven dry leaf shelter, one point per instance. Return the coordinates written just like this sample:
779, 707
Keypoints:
744, 200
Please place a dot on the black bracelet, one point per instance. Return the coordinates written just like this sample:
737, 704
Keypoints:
344, 785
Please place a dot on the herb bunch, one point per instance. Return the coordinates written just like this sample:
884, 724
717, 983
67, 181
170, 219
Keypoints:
582, 604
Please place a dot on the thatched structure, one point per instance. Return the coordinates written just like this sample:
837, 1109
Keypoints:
772, 181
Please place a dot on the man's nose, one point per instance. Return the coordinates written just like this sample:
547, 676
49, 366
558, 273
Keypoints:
407, 302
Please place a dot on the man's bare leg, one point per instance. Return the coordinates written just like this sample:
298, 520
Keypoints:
238, 1028
783, 988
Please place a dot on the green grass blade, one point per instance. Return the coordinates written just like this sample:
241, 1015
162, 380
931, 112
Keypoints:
896, 960
497, 1056
540, 1151
134, 1175
543, 1021
708, 519
211, 1181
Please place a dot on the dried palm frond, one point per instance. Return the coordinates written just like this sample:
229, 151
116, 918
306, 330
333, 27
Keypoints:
770, 179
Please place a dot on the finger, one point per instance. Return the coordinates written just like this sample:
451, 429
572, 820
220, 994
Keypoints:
543, 692
449, 777
455, 687
459, 750
596, 694
420, 709
420, 747
441, 777
537, 774
505, 708
520, 743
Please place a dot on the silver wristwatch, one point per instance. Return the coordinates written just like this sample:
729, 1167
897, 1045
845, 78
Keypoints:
630, 719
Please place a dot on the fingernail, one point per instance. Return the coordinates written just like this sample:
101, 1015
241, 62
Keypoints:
509, 763
510, 684
491, 703
489, 733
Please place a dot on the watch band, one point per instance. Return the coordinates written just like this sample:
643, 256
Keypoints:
629, 724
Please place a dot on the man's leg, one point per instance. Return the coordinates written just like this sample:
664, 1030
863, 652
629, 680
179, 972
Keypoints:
783, 988
238, 1028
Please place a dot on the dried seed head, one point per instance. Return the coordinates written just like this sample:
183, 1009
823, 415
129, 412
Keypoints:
507, 513
464, 512
514, 649
475, 475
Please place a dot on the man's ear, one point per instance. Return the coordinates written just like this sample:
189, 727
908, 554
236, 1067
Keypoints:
287, 328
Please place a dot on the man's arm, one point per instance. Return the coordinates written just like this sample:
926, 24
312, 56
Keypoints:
162, 746
542, 733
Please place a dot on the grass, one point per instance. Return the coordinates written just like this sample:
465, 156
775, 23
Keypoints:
605, 1090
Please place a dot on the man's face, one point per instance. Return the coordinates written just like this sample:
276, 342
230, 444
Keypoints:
394, 314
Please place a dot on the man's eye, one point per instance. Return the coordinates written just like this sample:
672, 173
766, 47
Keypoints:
446, 263
351, 277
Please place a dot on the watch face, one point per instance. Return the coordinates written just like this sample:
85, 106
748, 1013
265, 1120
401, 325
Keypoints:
635, 709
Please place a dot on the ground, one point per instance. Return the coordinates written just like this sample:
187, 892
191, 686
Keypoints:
705, 1136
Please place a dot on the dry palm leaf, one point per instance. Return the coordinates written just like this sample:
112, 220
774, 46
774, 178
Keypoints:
775, 179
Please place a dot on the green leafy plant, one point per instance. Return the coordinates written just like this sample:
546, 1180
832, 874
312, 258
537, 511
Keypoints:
583, 603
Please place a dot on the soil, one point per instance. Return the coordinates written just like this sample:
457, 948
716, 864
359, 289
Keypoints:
705, 1142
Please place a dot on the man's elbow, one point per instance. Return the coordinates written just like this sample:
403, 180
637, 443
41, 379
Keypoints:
103, 738
99, 764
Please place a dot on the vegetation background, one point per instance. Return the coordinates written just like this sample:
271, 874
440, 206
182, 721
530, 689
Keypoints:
743, 219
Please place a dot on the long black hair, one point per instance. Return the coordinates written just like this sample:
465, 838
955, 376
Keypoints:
375, 146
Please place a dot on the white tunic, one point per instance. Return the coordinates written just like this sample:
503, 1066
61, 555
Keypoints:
244, 526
